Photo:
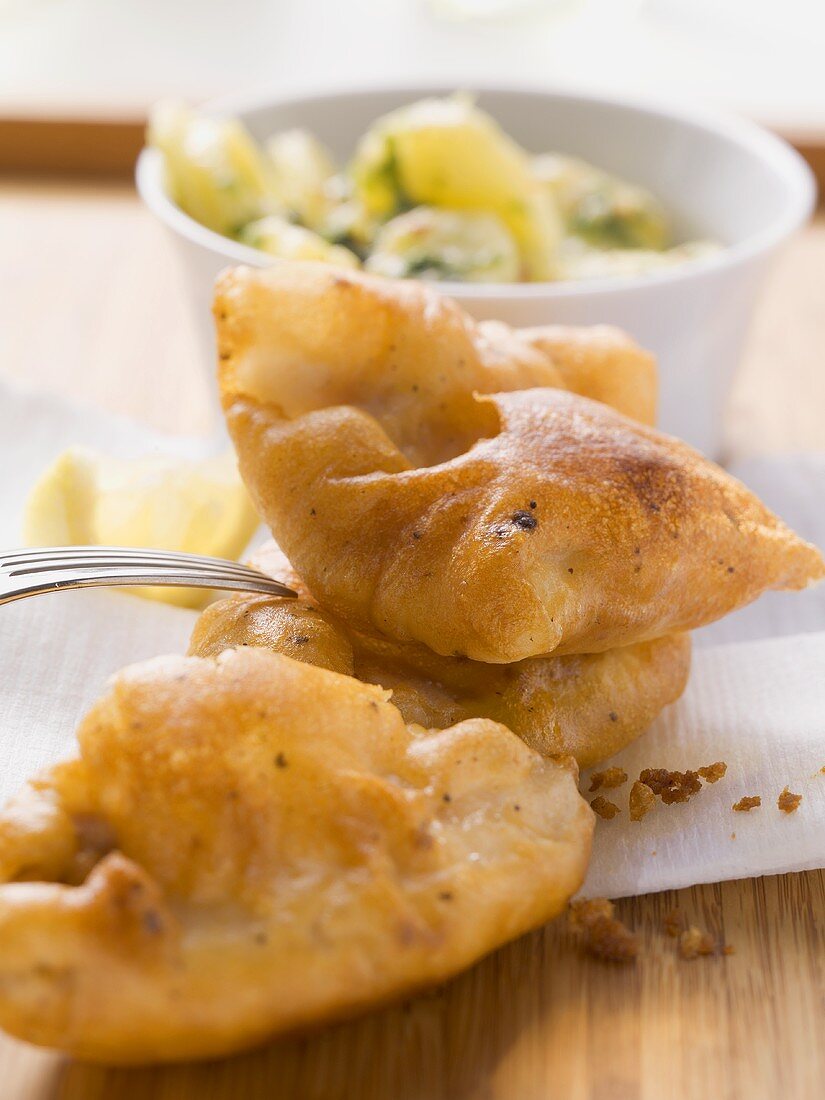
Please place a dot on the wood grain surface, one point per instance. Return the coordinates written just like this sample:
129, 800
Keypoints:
91, 305
78, 143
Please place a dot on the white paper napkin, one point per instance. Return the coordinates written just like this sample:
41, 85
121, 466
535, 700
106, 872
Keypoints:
758, 705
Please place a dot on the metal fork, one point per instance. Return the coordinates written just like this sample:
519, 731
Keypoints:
54, 568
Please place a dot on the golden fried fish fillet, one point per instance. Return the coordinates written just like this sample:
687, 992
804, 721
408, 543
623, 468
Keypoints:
251, 845
589, 706
305, 336
601, 363
563, 527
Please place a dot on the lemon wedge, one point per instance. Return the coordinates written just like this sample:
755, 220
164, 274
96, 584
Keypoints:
86, 498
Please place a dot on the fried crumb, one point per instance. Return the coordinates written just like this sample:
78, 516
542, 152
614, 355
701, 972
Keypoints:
671, 786
642, 800
733, 836
582, 914
603, 934
713, 772
788, 802
604, 807
673, 923
609, 778
693, 943
749, 802
728, 949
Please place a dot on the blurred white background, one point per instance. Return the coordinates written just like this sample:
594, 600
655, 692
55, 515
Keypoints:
763, 57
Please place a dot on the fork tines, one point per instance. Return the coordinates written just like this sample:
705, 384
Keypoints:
29, 572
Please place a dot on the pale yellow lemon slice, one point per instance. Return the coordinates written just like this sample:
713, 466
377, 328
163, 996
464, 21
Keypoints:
200, 506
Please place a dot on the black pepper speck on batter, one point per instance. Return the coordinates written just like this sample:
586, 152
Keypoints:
525, 521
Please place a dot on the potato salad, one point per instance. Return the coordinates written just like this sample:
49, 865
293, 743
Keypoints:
434, 190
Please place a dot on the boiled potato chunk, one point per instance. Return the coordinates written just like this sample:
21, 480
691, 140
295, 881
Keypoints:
302, 167
279, 237
214, 170
446, 244
600, 208
447, 153
578, 260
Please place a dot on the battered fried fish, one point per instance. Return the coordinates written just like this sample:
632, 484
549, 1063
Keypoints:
250, 845
305, 336
418, 504
587, 705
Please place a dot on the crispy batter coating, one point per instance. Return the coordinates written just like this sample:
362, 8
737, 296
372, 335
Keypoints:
602, 363
747, 803
712, 773
418, 503
307, 337
641, 800
250, 845
693, 942
671, 786
602, 933
589, 706
609, 779
788, 802
673, 923
604, 807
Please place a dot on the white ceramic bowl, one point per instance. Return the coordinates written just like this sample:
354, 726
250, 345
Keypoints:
720, 178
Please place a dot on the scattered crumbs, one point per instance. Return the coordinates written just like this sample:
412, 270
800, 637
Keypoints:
713, 772
609, 778
693, 943
671, 786
728, 949
447, 797
613, 716
673, 923
733, 836
604, 807
749, 802
280, 761
822, 769
602, 933
788, 802
533, 504
445, 895
642, 800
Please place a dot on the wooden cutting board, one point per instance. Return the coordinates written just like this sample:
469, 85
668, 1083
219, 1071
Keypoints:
92, 306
